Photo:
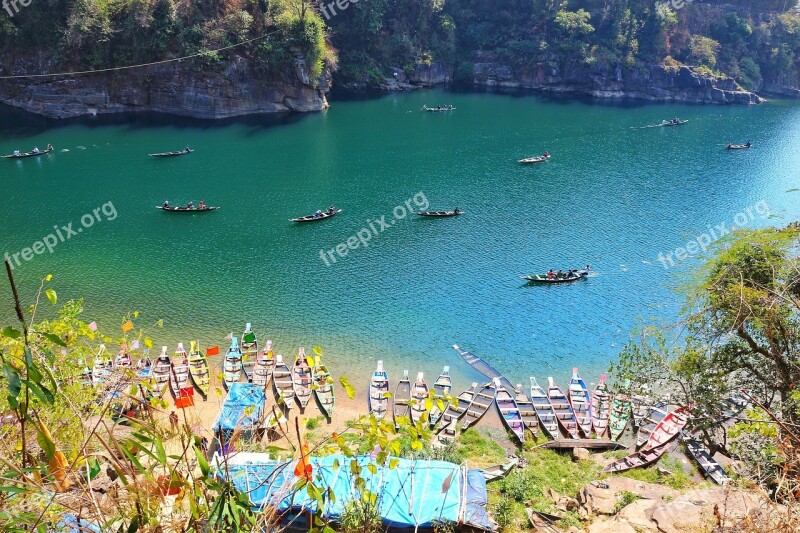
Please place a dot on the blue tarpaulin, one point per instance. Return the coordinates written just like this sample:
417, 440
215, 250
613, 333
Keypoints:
242, 409
410, 493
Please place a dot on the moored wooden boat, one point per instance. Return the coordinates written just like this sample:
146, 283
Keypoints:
161, 372
532, 160
526, 410
232, 364
441, 388
101, 368
657, 414
456, 410
378, 402
619, 416
641, 405
710, 468
482, 400
249, 349
283, 382
185, 151
314, 217
589, 444
179, 376
509, 412
637, 459
448, 433
122, 360
562, 408
581, 403
454, 213
401, 405
303, 378
492, 473
731, 407
143, 367
23, 155
198, 369
324, 388
419, 397
601, 408
669, 428
265, 364
545, 411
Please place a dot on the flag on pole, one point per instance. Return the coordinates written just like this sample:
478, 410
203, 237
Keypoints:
93, 326
135, 345
212, 350
229, 337
127, 326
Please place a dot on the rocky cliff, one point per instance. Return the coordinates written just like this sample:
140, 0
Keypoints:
175, 88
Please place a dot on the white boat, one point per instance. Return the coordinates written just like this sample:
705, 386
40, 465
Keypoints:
601, 408
545, 411
324, 388
419, 397
401, 406
526, 410
441, 388
265, 364
232, 364
509, 412
581, 403
378, 387
161, 371
303, 378
101, 369
283, 382
179, 376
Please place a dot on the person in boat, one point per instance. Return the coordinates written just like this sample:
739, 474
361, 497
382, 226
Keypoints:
49, 147
35, 150
748, 144
202, 205
456, 211
730, 145
17, 153
331, 209
187, 149
560, 274
676, 120
318, 213
166, 204
550, 274
546, 154
189, 205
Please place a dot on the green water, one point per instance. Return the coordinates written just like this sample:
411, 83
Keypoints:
612, 195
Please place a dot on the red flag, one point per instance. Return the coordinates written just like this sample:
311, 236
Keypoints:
213, 350
183, 403
186, 392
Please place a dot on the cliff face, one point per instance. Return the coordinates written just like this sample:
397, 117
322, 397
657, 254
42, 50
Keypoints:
656, 83
175, 88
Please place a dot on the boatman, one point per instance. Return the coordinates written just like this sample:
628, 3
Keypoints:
166, 204
35, 150
16, 153
331, 209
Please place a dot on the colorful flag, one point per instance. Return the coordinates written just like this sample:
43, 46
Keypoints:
146, 351
123, 347
213, 350
127, 326
229, 337
93, 326
135, 345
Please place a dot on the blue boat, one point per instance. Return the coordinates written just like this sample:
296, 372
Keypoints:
581, 403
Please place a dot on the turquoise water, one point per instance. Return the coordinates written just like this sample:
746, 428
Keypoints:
612, 195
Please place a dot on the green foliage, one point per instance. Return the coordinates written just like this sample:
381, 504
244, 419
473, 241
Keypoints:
624, 499
677, 478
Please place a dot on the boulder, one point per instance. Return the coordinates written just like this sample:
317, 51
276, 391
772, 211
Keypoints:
581, 454
602, 497
703, 508
637, 515
611, 526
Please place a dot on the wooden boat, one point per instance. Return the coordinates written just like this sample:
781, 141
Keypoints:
314, 217
23, 155
669, 428
744, 146
481, 401
101, 368
532, 160
265, 364
569, 277
437, 109
657, 414
562, 408
143, 367
324, 388
641, 405
731, 407
249, 349
545, 411
232, 364
711, 469
456, 410
619, 416
179, 376
122, 360
667, 124
482, 366
601, 408
161, 372
441, 388
186, 209
198, 369
283, 383
543, 522
581, 403
402, 400
185, 151
303, 379
378, 403
419, 395
492, 473
526, 410
509, 412
589, 444
448, 433
454, 213
637, 460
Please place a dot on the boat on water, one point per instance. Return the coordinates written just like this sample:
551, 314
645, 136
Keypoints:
143, 367
378, 402
601, 408
669, 428
558, 277
581, 403
319, 215
186, 208
454, 213
401, 406
641, 405
33, 153
303, 379
438, 108
637, 459
673, 122
232, 364
456, 410
491, 473
619, 416
536, 159
283, 382
482, 400
563, 409
744, 146
265, 364
179, 376
161, 372
710, 468
249, 347
526, 410
102, 366
441, 388
509, 412
657, 414
198, 369
122, 360
185, 151
419, 397
324, 387
545, 411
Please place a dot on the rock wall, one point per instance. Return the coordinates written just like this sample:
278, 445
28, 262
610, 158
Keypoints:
175, 88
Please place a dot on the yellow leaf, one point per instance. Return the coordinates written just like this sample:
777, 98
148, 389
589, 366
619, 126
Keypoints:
310, 361
317, 350
148, 343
